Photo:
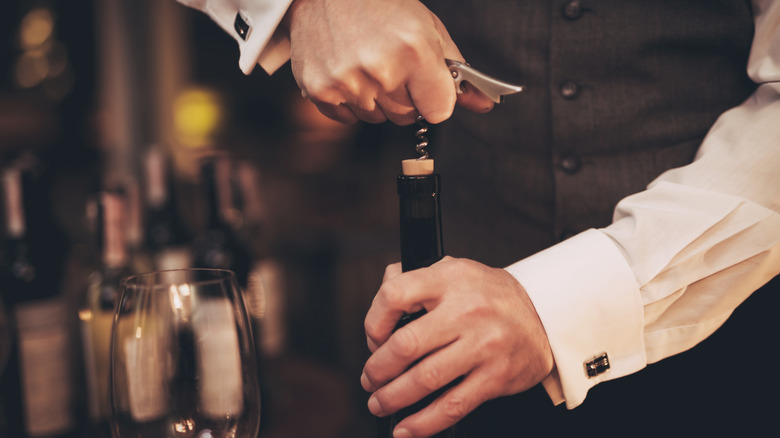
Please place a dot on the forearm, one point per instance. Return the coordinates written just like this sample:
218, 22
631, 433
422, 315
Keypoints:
696, 243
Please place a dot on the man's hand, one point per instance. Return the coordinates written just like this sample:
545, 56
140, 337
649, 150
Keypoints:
375, 60
479, 324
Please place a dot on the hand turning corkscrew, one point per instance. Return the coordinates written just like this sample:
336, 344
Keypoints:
491, 87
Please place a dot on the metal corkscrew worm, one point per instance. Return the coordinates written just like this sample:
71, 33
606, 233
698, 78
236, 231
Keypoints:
463, 72
422, 140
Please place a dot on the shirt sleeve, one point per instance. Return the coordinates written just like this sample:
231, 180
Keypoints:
680, 256
254, 25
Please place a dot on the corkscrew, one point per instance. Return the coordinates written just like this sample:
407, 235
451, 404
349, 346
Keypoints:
422, 140
489, 86
461, 72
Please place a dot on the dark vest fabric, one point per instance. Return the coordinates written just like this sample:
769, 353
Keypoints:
617, 92
651, 77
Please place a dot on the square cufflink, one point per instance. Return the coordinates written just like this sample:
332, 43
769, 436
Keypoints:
597, 365
241, 25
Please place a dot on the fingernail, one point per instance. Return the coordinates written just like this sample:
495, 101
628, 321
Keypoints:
374, 406
401, 433
365, 382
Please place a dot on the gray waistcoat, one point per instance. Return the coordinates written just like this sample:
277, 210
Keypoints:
617, 92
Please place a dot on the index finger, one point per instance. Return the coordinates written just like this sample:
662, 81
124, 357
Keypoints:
400, 294
433, 92
473, 99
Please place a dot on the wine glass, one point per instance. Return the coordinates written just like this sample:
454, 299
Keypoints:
183, 362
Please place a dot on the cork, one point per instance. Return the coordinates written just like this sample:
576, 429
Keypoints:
416, 167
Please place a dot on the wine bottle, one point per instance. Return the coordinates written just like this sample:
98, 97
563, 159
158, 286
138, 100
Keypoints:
264, 296
217, 246
97, 305
36, 386
165, 235
421, 246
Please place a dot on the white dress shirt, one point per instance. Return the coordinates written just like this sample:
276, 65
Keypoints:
678, 258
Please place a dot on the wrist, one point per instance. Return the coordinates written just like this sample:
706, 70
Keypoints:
292, 12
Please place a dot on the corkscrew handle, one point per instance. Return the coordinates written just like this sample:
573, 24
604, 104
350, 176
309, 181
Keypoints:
489, 86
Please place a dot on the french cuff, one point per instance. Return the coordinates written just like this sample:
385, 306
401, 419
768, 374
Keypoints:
275, 54
588, 300
263, 42
253, 24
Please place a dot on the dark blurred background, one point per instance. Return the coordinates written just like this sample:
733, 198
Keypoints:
89, 88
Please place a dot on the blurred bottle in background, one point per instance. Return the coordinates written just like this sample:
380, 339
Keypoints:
166, 237
97, 305
217, 246
36, 386
138, 254
265, 292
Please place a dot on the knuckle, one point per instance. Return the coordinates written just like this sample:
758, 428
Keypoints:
380, 71
392, 294
429, 378
333, 88
458, 266
405, 343
347, 80
454, 407
391, 271
367, 105
320, 91
494, 338
502, 370
372, 329
476, 306
412, 41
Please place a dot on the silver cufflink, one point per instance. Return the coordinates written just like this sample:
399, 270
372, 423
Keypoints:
597, 365
242, 26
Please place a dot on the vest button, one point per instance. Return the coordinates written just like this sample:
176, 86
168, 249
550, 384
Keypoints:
570, 163
569, 90
572, 10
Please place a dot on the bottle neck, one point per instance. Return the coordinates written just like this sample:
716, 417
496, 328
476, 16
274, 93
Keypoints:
217, 191
420, 220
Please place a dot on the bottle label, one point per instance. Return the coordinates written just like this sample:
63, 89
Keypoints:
46, 378
173, 258
219, 359
264, 298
